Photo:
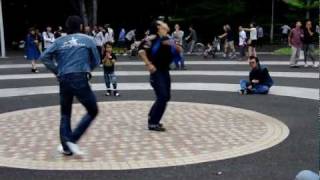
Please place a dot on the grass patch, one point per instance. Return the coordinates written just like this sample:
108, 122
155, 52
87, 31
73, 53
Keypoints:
287, 51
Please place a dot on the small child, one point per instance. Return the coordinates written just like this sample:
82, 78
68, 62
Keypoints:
208, 51
108, 68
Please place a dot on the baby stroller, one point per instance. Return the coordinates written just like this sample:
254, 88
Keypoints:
212, 48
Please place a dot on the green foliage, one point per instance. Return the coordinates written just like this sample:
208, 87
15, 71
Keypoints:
303, 4
287, 51
205, 9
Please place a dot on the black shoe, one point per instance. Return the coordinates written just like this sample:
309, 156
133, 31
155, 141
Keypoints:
294, 66
158, 128
34, 70
116, 93
108, 93
64, 152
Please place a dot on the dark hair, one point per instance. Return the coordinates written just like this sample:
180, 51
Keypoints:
107, 44
154, 27
32, 29
256, 59
73, 24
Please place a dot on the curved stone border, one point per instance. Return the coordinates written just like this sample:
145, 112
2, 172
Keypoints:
297, 92
276, 133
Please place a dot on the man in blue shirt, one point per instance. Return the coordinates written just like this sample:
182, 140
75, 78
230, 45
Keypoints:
76, 56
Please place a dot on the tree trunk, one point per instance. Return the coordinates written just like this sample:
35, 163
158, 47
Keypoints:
308, 9
83, 12
272, 22
95, 12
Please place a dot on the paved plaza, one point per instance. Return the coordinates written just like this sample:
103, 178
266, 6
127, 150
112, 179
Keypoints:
212, 131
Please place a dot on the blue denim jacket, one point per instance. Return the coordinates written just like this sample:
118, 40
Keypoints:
73, 53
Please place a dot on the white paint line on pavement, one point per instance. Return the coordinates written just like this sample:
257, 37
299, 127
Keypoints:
139, 63
298, 92
174, 73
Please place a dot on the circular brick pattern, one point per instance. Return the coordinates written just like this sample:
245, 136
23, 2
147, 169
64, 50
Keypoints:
118, 138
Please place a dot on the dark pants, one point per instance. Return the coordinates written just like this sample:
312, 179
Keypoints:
242, 51
309, 52
75, 85
100, 51
161, 83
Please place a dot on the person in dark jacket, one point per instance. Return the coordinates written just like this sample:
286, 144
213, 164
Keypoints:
260, 80
309, 42
157, 51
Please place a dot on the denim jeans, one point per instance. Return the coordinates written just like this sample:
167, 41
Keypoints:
309, 52
161, 83
110, 78
256, 89
75, 85
180, 62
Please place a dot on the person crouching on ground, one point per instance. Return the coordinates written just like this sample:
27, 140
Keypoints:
109, 61
260, 79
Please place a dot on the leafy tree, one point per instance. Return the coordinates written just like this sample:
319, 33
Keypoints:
306, 5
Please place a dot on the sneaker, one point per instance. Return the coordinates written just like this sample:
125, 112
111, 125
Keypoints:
306, 65
116, 93
294, 66
62, 151
74, 148
108, 93
234, 56
35, 70
158, 127
315, 65
243, 92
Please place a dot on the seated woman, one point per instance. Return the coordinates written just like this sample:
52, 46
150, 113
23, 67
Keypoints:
260, 79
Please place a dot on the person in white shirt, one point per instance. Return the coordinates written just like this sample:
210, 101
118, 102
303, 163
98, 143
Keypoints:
48, 38
318, 29
99, 38
252, 43
130, 38
285, 29
242, 42
109, 36
177, 35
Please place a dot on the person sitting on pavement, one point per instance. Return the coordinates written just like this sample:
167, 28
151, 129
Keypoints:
260, 79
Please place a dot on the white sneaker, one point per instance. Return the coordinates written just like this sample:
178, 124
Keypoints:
62, 151
306, 65
74, 148
315, 65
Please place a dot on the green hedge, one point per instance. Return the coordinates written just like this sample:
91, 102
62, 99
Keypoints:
287, 51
